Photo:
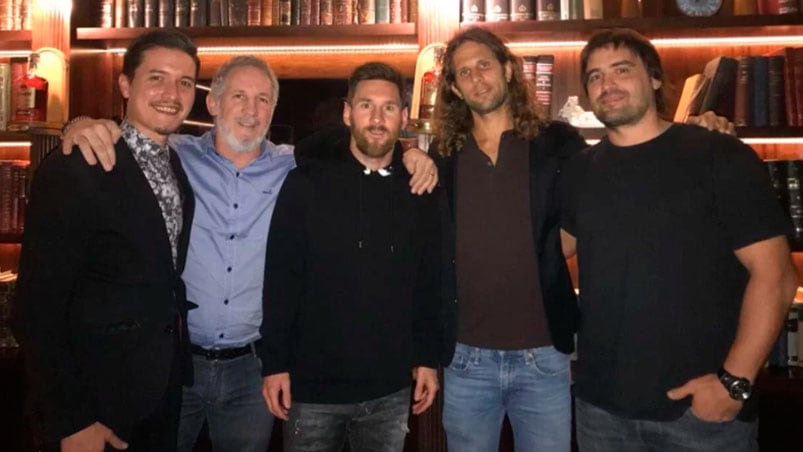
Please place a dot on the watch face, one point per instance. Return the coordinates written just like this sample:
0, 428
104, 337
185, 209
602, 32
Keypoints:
699, 7
740, 389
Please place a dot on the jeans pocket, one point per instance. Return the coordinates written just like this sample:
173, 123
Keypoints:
461, 361
550, 362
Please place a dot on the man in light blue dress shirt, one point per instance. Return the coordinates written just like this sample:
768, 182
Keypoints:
236, 174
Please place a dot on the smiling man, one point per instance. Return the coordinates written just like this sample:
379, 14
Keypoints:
686, 275
352, 285
100, 299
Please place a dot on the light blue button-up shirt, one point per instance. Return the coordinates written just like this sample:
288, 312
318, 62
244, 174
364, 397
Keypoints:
226, 257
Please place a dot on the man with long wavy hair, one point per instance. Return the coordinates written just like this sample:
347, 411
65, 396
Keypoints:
500, 162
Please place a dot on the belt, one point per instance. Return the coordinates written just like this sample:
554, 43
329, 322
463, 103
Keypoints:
218, 354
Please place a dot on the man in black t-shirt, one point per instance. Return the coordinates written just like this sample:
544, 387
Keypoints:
685, 273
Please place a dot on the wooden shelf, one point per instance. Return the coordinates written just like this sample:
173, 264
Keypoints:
652, 27
769, 132
295, 35
15, 40
6, 137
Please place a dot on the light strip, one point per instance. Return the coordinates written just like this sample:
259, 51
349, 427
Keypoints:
592, 142
678, 42
14, 53
190, 122
380, 48
14, 144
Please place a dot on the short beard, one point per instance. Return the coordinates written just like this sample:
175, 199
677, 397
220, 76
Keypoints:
239, 146
374, 150
492, 107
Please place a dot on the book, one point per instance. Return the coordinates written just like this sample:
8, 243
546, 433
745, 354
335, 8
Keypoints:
182, 18
382, 9
789, 74
497, 10
592, 9
797, 71
6, 183
691, 90
794, 202
150, 13
327, 15
760, 91
5, 95
305, 11
198, 13
18, 92
342, 12
134, 15
253, 13
571, 9
366, 11
473, 10
215, 13
107, 13
792, 336
721, 71
543, 82
315, 12
777, 7
398, 11
743, 98
120, 13
776, 90
266, 11
295, 12
167, 13
547, 9
285, 12
238, 13
521, 10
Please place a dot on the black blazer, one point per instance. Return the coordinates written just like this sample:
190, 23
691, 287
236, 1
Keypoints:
548, 151
99, 300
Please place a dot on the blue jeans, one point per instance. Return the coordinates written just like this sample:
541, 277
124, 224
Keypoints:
228, 395
378, 425
531, 386
601, 431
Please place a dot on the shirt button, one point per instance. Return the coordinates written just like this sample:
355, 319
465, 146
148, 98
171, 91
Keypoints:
225, 301
238, 174
228, 269
221, 335
236, 205
231, 237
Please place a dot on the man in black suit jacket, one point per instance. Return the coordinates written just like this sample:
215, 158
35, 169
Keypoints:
100, 302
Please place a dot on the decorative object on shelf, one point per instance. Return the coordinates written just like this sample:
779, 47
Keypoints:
699, 8
574, 114
777, 7
429, 86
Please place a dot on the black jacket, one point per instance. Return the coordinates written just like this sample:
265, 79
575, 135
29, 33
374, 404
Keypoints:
548, 152
98, 295
352, 281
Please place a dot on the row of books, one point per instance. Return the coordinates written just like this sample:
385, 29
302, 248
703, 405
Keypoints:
515, 10
7, 289
754, 91
13, 180
786, 177
15, 14
788, 349
216, 13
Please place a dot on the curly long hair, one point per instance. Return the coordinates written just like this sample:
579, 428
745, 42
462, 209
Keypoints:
452, 117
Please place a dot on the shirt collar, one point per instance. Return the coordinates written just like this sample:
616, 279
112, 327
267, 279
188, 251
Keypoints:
141, 144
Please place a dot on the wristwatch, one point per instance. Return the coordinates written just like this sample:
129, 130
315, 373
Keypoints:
738, 388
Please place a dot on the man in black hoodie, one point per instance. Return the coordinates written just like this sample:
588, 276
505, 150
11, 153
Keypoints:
352, 297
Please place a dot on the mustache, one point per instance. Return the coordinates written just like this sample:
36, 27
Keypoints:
611, 92
377, 129
248, 121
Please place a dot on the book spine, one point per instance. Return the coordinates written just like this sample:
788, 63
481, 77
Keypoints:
544, 65
521, 10
760, 91
366, 11
792, 336
15, 198
797, 59
789, 87
285, 12
327, 12
215, 13
253, 12
794, 199
497, 10
107, 13
167, 13
398, 10
742, 105
182, 13
5, 95
134, 15
305, 12
238, 13
342, 12
776, 102
315, 12
266, 11
473, 10
19, 94
412, 11
150, 14
22, 172
120, 13
6, 176
198, 13
295, 12
382, 12
547, 9
592, 9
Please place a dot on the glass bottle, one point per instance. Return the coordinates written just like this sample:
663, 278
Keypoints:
429, 86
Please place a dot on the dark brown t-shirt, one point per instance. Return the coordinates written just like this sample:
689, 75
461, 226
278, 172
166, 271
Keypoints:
501, 305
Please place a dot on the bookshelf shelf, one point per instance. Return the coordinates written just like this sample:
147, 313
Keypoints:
13, 40
769, 132
10, 137
653, 27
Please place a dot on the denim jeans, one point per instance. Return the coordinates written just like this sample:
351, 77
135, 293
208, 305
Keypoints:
531, 386
228, 395
378, 425
601, 431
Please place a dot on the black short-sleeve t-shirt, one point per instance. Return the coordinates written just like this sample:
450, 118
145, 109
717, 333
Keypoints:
660, 286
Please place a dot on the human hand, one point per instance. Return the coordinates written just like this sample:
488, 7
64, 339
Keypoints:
92, 439
710, 400
426, 387
276, 391
95, 138
422, 169
711, 121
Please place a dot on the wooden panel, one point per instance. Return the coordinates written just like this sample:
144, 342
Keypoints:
9, 256
438, 20
93, 84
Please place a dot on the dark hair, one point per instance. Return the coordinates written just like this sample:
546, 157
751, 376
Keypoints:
453, 120
638, 44
375, 71
168, 39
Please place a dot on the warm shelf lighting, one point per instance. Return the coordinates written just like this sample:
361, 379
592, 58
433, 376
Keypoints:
61, 6
678, 42
14, 144
14, 53
379, 48
207, 125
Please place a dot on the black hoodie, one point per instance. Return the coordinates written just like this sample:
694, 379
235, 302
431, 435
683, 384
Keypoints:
352, 280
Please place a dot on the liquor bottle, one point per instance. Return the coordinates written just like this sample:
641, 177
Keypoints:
31, 101
429, 86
